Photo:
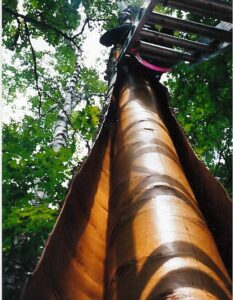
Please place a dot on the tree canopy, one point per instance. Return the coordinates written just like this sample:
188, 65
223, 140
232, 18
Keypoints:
42, 48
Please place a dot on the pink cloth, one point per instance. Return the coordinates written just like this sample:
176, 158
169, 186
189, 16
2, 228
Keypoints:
147, 64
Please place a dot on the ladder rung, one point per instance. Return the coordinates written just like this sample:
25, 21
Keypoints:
220, 6
202, 11
168, 40
189, 26
145, 48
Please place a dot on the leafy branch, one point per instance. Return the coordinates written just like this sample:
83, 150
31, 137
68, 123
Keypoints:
17, 34
29, 19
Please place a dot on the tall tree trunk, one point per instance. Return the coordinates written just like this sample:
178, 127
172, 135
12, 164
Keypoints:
131, 227
159, 245
61, 126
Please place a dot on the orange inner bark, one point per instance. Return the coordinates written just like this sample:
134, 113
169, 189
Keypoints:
159, 244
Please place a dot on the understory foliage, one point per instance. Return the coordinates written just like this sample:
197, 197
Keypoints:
42, 46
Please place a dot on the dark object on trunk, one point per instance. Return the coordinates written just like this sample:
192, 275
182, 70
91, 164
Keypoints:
116, 35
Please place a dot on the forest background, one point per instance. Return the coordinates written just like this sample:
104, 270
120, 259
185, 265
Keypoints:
35, 177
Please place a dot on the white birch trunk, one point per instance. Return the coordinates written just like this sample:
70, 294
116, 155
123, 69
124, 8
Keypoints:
61, 126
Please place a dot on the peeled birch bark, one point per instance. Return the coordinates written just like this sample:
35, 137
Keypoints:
72, 265
131, 226
61, 126
159, 244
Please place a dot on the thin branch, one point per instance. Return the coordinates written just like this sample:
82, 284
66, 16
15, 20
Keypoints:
34, 66
41, 24
82, 29
99, 19
87, 22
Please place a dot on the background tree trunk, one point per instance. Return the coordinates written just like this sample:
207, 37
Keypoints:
61, 126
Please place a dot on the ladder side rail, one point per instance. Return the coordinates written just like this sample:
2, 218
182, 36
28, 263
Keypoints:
141, 20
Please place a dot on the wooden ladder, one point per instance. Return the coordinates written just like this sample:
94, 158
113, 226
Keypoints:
188, 41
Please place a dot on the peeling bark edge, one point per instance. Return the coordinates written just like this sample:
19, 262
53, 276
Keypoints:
41, 285
212, 198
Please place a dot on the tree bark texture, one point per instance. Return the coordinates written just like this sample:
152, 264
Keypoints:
61, 126
143, 216
159, 244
